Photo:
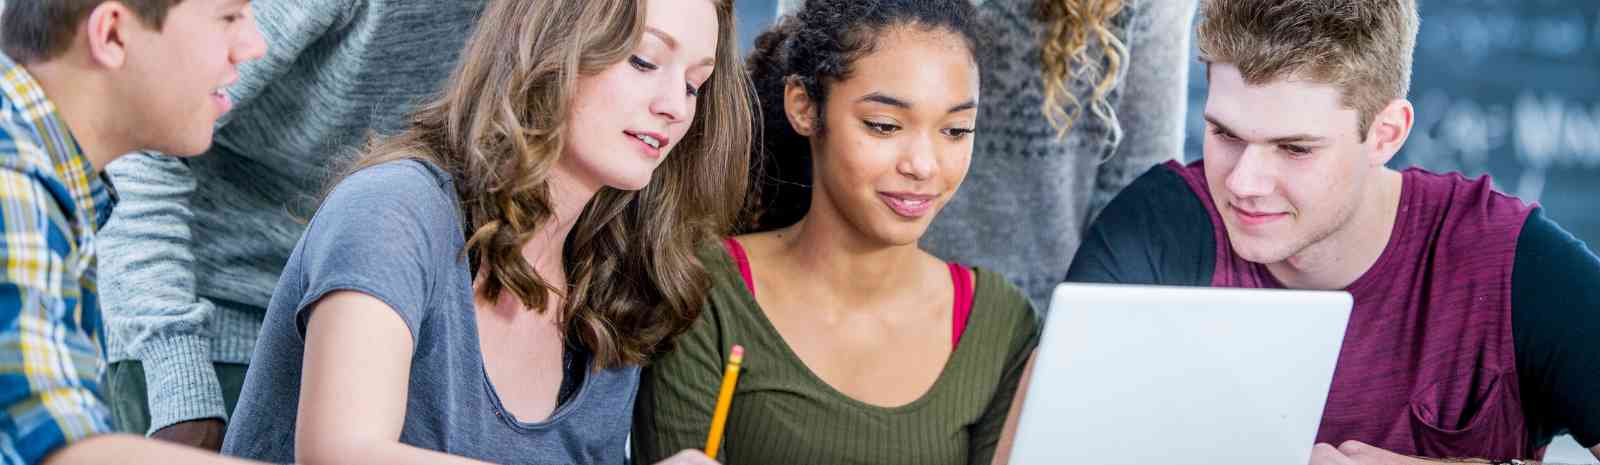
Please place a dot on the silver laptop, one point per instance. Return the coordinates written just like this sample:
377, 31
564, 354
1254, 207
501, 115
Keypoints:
1147, 375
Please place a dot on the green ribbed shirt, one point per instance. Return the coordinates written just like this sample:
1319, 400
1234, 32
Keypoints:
783, 413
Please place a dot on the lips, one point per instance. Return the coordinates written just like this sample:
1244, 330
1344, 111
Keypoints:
908, 204
219, 95
220, 98
650, 143
1255, 218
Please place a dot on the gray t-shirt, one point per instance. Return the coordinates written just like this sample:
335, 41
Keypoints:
393, 231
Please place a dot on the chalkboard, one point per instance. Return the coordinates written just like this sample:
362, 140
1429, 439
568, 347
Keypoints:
751, 17
1505, 88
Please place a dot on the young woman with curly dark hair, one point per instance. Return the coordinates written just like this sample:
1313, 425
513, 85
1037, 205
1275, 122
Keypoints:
860, 346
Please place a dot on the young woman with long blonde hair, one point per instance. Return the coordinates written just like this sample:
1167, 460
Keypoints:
485, 285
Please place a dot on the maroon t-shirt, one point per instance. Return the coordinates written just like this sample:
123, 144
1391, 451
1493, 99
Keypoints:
1429, 365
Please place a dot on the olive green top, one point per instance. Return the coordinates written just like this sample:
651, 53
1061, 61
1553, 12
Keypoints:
783, 413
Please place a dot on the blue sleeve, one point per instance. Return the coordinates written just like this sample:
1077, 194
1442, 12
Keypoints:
1555, 323
50, 356
1155, 232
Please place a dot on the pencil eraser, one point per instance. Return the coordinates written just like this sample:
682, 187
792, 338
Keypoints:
738, 353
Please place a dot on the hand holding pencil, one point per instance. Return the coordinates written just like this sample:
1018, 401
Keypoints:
719, 417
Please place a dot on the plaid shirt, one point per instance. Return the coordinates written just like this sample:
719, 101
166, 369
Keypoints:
51, 204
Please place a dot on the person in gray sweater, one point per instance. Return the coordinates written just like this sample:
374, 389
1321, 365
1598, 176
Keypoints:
193, 252
1046, 162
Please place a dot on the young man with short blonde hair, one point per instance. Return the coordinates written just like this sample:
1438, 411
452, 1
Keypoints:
1471, 335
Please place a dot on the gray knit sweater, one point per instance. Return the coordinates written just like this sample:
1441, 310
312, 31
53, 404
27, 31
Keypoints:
194, 249
1028, 195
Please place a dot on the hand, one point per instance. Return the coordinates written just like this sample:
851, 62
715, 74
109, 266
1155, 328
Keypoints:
205, 434
1359, 453
688, 457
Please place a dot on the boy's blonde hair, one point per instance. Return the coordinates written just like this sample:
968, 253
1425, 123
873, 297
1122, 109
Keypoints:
1363, 47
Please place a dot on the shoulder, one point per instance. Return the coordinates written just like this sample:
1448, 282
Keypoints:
1167, 195
19, 149
29, 208
727, 292
410, 185
1455, 191
1468, 212
30, 187
404, 202
994, 297
1548, 255
1159, 230
717, 259
1171, 178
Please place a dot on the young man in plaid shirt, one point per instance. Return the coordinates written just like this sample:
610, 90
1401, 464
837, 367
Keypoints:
82, 82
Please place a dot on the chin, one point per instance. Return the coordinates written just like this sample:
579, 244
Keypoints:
1262, 252
629, 175
901, 234
188, 147
630, 181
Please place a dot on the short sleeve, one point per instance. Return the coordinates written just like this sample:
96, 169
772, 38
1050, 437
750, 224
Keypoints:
1155, 232
385, 232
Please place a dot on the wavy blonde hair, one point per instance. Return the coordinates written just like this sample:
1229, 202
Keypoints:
1071, 27
498, 128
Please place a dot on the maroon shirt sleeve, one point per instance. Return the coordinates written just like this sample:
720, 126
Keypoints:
1555, 322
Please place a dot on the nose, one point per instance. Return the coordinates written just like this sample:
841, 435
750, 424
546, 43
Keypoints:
671, 100
1253, 173
248, 45
919, 161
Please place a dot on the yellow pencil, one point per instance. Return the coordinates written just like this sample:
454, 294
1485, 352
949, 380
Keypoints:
730, 377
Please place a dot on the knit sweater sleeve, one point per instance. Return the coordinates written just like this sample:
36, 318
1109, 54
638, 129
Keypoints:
147, 252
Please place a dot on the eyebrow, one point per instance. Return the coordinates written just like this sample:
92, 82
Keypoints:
1289, 139
878, 97
672, 44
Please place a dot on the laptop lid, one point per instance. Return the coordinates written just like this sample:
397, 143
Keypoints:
1143, 374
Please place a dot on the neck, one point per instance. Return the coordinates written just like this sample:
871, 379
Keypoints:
1338, 260
79, 97
568, 198
857, 269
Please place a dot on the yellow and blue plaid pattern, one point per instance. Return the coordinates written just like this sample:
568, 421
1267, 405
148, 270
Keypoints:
51, 204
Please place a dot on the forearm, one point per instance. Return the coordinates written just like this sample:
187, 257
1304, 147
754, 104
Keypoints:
374, 451
1359, 453
152, 312
1008, 435
134, 450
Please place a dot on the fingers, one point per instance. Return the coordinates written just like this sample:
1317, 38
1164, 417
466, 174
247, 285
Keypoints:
688, 457
1326, 454
1368, 454
1356, 448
